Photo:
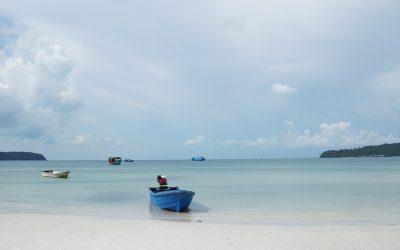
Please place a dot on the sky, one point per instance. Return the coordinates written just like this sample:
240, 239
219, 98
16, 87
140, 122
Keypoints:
168, 79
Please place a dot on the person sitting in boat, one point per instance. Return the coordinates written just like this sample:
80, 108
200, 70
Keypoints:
162, 180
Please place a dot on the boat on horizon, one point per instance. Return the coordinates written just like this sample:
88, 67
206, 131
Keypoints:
198, 158
114, 160
55, 174
128, 160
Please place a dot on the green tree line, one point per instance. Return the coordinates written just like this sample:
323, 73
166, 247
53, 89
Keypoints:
384, 150
19, 156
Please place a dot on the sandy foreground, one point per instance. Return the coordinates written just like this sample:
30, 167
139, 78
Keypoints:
31, 231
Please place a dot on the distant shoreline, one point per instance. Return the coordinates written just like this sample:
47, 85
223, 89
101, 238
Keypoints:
21, 156
384, 150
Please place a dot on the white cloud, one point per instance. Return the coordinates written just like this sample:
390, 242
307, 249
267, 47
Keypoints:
387, 89
36, 84
290, 124
340, 134
390, 81
109, 141
283, 89
199, 139
330, 134
80, 139
335, 131
260, 141
307, 139
86, 118
4, 86
228, 142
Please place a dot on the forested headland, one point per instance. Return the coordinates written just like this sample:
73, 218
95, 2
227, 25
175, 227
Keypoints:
384, 150
21, 156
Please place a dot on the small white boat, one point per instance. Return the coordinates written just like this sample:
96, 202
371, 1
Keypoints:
55, 174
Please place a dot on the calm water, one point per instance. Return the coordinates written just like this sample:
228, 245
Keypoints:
291, 191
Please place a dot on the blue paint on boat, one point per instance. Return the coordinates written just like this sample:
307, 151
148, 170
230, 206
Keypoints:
198, 158
171, 198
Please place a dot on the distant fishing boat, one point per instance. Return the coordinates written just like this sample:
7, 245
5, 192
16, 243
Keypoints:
170, 198
55, 174
128, 160
114, 160
198, 158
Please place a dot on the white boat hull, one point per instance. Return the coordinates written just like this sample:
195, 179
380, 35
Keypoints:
55, 174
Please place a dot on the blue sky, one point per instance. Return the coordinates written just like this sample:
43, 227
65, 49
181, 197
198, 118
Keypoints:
176, 79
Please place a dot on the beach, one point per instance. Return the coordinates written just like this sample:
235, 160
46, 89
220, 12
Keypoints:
35, 231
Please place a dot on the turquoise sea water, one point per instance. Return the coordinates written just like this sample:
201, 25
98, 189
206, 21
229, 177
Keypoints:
282, 191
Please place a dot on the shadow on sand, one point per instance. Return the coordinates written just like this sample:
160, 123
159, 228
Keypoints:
157, 213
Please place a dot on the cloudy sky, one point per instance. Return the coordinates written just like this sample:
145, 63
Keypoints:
168, 79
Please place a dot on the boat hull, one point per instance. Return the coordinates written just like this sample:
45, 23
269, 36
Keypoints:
172, 199
198, 159
114, 160
55, 174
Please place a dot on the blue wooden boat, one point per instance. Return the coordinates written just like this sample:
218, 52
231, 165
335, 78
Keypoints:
171, 198
199, 158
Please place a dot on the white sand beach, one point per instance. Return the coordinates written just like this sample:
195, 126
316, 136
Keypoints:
34, 231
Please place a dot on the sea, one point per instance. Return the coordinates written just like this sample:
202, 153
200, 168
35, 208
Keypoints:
348, 191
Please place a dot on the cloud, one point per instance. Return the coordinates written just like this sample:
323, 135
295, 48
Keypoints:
80, 139
283, 89
36, 83
290, 124
228, 142
340, 134
109, 141
260, 142
4, 86
337, 134
387, 87
307, 139
390, 81
199, 139
128, 81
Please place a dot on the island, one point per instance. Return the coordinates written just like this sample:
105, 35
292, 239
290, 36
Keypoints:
21, 156
384, 150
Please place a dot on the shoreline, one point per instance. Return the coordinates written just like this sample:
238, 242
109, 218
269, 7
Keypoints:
39, 231
240, 218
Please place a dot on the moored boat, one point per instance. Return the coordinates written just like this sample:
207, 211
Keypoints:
114, 160
198, 158
170, 198
55, 174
